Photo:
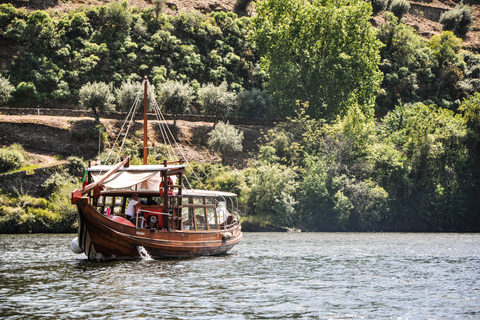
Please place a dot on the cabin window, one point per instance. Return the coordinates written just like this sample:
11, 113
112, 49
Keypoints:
187, 218
199, 213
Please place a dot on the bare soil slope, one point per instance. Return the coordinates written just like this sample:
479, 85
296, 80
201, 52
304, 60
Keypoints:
48, 136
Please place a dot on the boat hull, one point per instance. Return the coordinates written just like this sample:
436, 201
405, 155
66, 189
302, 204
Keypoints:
102, 238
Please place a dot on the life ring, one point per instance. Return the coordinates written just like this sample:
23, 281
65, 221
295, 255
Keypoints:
170, 189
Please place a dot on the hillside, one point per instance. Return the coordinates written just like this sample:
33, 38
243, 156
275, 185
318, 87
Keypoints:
49, 136
423, 16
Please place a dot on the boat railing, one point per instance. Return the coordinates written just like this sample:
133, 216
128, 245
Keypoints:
155, 212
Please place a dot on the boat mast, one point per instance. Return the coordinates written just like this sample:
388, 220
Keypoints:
145, 118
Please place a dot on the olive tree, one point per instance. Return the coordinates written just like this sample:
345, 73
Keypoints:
175, 97
216, 100
97, 97
225, 139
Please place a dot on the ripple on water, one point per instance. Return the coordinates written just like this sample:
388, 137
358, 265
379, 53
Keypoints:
268, 275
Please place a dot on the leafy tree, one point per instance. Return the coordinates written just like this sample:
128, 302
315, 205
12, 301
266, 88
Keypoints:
27, 95
225, 139
254, 104
6, 89
175, 97
126, 95
400, 8
97, 97
459, 20
216, 100
378, 5
321, 52
271, 193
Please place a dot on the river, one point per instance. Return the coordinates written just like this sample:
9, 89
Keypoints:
266, 276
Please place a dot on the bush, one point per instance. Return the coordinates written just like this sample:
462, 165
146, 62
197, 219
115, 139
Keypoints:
96, 96
254, 104
175, 97
55, 183
459, 20
272, 194
27, 94
379, 5
126, 95
216, 100
225, 139
76, 166
400, 8
11, 158
6, 89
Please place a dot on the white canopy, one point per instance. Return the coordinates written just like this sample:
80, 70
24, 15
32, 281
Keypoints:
132, 176
207, 193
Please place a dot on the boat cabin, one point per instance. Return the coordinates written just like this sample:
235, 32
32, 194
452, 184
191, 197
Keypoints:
163, 204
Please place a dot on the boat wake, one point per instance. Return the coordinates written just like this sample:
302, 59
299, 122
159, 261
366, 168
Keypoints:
143, 253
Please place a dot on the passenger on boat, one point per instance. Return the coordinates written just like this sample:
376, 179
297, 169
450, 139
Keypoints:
131, 207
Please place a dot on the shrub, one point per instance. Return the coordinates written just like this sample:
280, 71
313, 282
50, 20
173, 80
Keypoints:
55, 183
175, 97
6, 89
400, 8
27, 94
216, 100
379, 5
76, 166
96, 96
126, 95
254, 104
459, 20
225, 139
272, 193
11, 158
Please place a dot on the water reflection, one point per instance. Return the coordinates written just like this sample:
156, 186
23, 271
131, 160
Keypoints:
268, 275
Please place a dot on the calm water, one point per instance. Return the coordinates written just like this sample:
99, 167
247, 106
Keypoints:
267, 276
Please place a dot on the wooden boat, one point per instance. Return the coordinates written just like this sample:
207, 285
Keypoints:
170, 220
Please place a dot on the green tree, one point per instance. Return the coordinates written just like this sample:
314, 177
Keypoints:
26, 94
321, 52
216, 100
6, 89
126, 95
459, 20
97, 97
271, 194
225, 139
254, 104
175, 97
400, 8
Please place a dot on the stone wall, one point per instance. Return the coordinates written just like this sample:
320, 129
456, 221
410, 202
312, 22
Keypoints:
29, 181
428, 11
122, 115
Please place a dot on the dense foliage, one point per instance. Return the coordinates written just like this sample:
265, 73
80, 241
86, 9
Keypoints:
11, 158
321, 52
114, 44
381, 130
23, 213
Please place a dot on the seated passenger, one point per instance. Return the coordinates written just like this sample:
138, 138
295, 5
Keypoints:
131, 207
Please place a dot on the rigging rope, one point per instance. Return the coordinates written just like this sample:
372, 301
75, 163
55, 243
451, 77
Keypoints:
164, 130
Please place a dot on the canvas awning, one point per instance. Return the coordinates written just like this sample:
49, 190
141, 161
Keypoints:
207, 193
131, 176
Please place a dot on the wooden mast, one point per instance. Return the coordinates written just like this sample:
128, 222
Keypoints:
145, 118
